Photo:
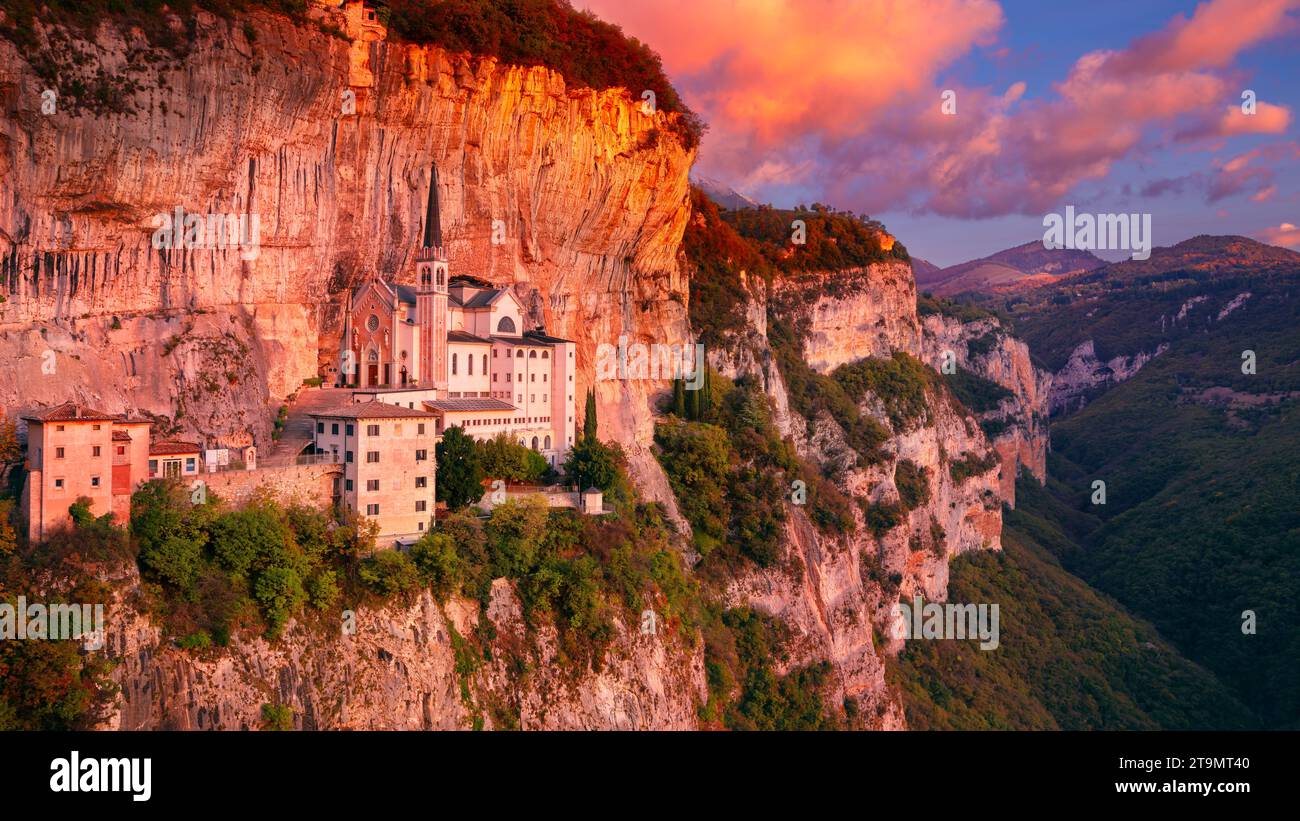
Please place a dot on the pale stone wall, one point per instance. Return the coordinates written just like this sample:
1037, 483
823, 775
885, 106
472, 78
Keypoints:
306, 484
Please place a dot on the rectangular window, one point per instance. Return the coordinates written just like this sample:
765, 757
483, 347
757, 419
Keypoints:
349, 430
421, 506
95, 427
372, 456
419, 430
372, 510
191, 465
372, 430
94, 451
348, 485
60, 428
421, 481
320, 427
121, 450
334, 428
58, 453
372, 484
153, 467
58, 483
94, 481
508, 376
494, 376
421, 455
347, 457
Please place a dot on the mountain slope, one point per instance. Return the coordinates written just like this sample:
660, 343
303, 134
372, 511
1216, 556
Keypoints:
1200, 523
1070, 658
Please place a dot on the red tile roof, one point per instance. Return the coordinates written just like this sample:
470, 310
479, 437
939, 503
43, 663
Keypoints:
170, 448
69, 412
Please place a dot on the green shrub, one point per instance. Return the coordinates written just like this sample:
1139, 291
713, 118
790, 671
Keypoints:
323, 589
882, 517
389, 573
913, 483
901, 382
971, 465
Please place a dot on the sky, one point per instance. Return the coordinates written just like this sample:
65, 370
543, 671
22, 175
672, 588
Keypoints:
1111, 106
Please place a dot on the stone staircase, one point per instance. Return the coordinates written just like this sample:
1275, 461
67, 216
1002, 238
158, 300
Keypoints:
298, 430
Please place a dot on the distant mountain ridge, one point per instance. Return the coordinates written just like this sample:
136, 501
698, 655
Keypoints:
724, 195
1027, 265
1204, 254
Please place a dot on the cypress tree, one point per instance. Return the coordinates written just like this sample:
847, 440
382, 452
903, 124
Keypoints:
589, 419
679, 398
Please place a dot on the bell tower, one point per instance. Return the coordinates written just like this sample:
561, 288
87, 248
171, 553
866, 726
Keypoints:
431, 296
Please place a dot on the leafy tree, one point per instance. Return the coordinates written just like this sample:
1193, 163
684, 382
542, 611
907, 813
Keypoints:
279, 593
504, 458
170, 532
593, 463
10, 449
460, 474
438, 563
514, 532
8, 537
250, 539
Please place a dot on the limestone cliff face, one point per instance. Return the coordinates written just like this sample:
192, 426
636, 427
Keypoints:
398, 668
835, 593
871, 311
574, 196
854, 313
984, 347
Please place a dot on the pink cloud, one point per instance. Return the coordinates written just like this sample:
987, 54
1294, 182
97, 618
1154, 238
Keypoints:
1285, 235
845, 97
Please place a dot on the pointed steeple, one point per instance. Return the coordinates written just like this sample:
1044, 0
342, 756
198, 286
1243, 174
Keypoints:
433, 217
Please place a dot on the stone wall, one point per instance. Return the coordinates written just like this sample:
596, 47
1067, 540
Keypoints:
308, 484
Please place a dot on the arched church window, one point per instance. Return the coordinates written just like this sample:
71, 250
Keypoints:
519, 354
453, 364
469, 360
373, 356
548, 443
546, 354
484, 363
534, 443
506, 325
532, 354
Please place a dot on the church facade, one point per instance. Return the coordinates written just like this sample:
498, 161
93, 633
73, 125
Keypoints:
460, 348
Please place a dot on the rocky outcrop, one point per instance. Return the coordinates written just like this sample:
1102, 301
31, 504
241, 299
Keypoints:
854, 313
400, 667
1018, 425
1084, 376
871, 311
